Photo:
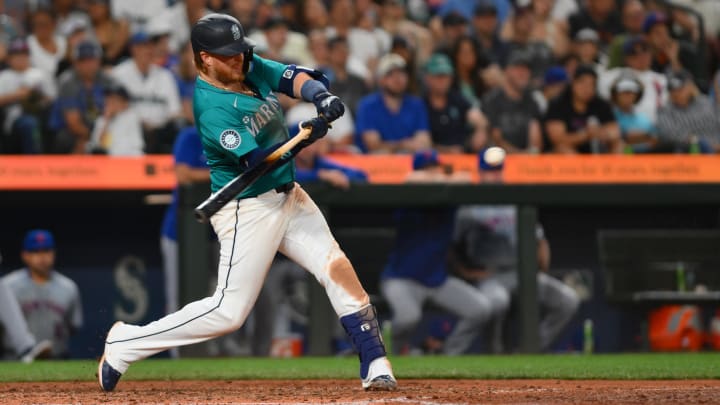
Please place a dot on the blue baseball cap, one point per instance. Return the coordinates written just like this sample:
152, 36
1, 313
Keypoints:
140, 37
38, 239
554, 75
425, 158
653, 19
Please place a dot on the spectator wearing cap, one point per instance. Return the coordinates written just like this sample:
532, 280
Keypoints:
364, 46
69, 15
74, 32
180, 16
153, 93
600, 15
25, 96
554, 83
633, 15
402, 47
80, 99
391, 120
511, 110
455, 125
586, 45
393, 19
49, 300
667, 52
470, 68
47, 48
486, 29
545, 27
689, 116
159, 33
118, 132
521, 38
578, 121
636, 128
112, 34
638, 61
345, 81
448, 29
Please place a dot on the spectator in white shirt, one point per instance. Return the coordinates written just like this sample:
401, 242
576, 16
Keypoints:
47, 49
118, 131
153, 93
25, 95
137, 12
181, 17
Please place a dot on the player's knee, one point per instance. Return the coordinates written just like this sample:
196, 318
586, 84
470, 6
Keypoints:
406, 321
499, 301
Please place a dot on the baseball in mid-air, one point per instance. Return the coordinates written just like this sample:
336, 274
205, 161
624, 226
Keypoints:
494, 156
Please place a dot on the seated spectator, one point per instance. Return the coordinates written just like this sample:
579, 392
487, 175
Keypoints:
26, 93
47, 48
118, 131
599, 15
493, 49
390, 120
80, 99
179, 17
554, 83
417, 270
522, 24
454, 26
455, 125
137, 12
633, 16
159, 32
111, 33
484, 254
578, 121
469, 70
153, 93
667, 52
49, 300
512, 112
586, 45
392, 19
549, 28
345, 81
635, 127
279, 43
638, 61
69, 13
74, 33
689, 117
362, 45
311, 166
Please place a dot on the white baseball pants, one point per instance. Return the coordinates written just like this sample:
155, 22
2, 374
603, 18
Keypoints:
251, 231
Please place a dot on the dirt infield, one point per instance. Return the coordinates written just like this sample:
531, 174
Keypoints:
349, 392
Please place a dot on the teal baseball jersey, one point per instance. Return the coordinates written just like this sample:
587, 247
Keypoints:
232, 124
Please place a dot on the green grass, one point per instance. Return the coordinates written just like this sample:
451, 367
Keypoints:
621, 366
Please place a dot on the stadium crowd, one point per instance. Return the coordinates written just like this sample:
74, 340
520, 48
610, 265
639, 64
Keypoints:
533, 76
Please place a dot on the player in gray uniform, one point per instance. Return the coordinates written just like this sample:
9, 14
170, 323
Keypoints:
485, 252
14, 330
49, 300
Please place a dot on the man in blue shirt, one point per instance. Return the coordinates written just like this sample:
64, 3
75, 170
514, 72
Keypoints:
390, 120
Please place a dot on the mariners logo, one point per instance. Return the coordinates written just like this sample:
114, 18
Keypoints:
230, 139
235, 32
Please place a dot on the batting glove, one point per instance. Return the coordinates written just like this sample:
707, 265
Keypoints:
329, 105
319, 126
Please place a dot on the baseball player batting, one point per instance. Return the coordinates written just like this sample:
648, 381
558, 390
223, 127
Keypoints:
240, 123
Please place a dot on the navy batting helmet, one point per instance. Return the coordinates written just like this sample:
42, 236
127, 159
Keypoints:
219, 34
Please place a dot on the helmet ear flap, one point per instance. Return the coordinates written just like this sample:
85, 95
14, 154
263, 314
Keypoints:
247, 60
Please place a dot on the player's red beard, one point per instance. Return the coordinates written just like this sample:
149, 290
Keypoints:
228, 70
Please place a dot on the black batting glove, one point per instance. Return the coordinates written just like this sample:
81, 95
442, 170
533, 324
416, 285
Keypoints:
319, 126
329, 105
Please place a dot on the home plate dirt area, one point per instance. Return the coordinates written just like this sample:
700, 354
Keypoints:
349, 392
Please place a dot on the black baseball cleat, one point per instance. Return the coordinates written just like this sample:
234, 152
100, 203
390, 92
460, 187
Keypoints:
381, 383
108, 377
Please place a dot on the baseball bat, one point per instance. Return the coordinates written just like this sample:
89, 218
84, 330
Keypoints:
216, 201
